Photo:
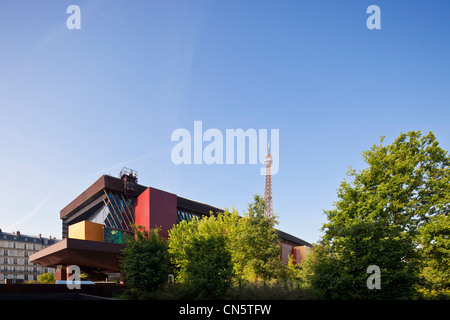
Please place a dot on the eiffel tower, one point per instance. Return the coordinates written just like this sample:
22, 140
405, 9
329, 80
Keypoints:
268, 185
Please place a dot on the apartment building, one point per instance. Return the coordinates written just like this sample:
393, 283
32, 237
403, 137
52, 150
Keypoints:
15, 249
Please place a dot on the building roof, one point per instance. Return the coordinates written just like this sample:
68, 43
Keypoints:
195, 206
92, 194
19, 237
105, 182
286, 236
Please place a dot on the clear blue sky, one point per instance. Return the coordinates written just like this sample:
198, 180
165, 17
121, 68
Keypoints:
76, 104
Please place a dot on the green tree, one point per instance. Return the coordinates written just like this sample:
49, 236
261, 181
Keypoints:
321, 272
145, 260
200, 253
251, 242
208, 271
406, 183
378, 216
434, 240
46, 278
255, 244
338, 270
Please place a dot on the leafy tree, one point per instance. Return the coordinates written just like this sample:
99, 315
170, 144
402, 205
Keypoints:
406, 183
321, 272
338, 270
200, 253
378, 217
250, 242
434, 240
47, 278
208, 271
255, 244
145, 260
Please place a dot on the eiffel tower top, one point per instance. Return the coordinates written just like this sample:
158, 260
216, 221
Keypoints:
268, 160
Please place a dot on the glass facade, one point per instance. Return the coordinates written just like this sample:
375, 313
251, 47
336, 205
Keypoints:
117, 215
121, 211
183, 214
115, 236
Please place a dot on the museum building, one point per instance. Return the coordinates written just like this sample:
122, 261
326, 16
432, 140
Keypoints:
95, 225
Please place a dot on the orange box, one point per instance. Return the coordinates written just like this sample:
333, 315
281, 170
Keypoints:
86, 230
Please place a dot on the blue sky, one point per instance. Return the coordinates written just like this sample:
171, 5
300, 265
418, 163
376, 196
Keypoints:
76, 104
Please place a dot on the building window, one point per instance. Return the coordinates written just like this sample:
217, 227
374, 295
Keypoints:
187, 215
5, 252
114, 236
117, 213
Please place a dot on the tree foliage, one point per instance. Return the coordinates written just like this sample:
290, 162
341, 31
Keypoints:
254, 243
208, 271
145, 260
199, 251
434, 239
47, 278
212, 251
379, 218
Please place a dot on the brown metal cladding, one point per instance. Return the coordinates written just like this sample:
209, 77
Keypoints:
105, 182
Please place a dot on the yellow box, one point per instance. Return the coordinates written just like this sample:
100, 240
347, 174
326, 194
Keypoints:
86, 230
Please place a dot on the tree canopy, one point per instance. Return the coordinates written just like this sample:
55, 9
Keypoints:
145, 260
401, 200
211, 251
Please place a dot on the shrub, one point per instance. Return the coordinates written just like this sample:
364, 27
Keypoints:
145, 260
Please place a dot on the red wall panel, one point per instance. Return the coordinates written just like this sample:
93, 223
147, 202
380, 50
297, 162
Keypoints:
142, 209
156, 208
